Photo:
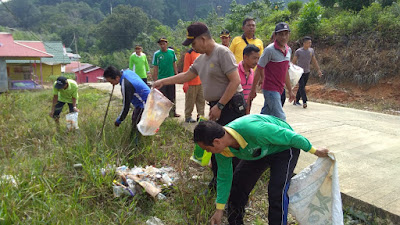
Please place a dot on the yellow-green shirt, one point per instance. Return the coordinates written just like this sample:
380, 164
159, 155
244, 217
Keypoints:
66, 95
238, 44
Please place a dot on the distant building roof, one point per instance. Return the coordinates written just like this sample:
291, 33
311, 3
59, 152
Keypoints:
86, 68
73, 65
13, 49
55, 48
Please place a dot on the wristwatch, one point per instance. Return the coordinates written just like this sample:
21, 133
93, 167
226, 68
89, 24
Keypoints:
220, 105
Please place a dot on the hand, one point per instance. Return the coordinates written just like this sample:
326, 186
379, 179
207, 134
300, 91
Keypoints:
51, 114
216, 218
321, 152
116, 123
158, 84
320, 73
291, 96
215, 113
185, 87
252, 95
76, 109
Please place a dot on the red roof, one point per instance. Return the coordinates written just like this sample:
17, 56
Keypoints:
38, 45
12, 49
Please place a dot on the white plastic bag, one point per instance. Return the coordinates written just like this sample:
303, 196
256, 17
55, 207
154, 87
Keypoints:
295, 73
314, 194
155, 111
72, 121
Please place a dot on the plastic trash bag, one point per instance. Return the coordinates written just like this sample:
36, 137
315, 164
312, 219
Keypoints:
72, 121
295, 73
314, 194
155, 111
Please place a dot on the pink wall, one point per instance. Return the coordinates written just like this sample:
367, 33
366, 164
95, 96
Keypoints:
90, 77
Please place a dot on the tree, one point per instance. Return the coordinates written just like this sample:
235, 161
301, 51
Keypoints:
355, 5
309, 20
119, 29
26, 13
327, 3
294, 7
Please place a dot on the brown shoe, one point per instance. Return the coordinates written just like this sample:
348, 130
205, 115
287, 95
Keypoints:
304, 105
177, 115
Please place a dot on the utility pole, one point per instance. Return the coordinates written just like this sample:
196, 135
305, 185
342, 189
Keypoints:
79, 63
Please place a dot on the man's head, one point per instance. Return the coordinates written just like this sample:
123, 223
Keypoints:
198, 35
307, 42
251, 54
282, 33
61, 83
163, 43
112, 75
208, 135
138, 49
225, 37
249, 27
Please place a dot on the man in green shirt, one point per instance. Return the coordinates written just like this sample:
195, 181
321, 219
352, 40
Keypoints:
138, 60
64, 91
164, 62
261, 141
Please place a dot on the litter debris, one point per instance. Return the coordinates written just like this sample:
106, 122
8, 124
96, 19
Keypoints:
9, 179
153, 180
72, 121
154, 221
78, 166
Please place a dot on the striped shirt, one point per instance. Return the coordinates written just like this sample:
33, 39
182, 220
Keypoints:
246, 82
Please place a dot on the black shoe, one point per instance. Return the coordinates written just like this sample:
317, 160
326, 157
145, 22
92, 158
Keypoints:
190, 120
296, 103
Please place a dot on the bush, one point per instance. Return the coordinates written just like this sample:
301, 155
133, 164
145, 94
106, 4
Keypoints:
279, 16
310, 19
53, 78
327, 3
294, 7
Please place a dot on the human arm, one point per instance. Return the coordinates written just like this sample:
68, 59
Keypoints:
177, 79
289, 87
258, 74
175, 68
187, 62
74, 104
315, 63
155, 73
131, 62
234, 81
294, 60
146, 64
55, 99
127, 91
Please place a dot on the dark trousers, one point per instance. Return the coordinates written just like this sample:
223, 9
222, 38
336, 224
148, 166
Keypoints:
58, 108
301, 92
246, 176
229, 113
136, 116
169, 92
283, 97
145, 80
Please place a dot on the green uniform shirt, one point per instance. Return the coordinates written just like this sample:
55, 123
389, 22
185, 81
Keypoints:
258, 136
140, 63
165, 62
67, 94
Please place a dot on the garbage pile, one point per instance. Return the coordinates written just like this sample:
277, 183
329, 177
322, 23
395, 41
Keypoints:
153, 180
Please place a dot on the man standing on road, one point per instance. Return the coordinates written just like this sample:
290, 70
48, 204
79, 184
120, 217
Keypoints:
193, 90
218, 73
273, 68
138, 60
64, 91
225, 38
164, 61
134, 91
303, 57
261, 141
248, 37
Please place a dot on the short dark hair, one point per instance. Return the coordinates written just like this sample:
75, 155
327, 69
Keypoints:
306, 38
111, 72
206, 131
249, 49
247, 19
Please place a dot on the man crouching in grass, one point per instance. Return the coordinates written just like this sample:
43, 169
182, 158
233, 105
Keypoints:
64, 91
261, 141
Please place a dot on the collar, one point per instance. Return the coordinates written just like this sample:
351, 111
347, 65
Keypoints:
244, 37
279, 49
241, 68
243, 144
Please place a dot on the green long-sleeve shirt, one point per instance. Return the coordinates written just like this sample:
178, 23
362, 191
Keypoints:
141, 64
258, 136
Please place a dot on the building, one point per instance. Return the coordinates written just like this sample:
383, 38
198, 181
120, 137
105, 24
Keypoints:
88, 74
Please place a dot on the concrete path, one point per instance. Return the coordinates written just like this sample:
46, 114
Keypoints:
366, 144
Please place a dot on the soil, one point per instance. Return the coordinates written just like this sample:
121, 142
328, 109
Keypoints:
383, 97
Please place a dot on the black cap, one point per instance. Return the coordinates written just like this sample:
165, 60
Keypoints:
61, 82
162, 39
281, 27
224, 33
193, 31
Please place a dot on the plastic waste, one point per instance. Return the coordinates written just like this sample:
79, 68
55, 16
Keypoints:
72, 121
154, 221
155, 111
295, 73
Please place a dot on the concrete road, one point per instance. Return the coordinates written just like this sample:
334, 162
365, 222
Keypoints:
366, 145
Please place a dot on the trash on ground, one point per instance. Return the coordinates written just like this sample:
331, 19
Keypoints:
8, 179
153, 180
154, 221
72, 121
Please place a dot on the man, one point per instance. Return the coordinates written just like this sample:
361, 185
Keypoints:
193, 90
64, 91
261, 141
251, 55
134, 91
225, 38
138, 60
303, 57
219, 76
273, 68
164, 61
240, 42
